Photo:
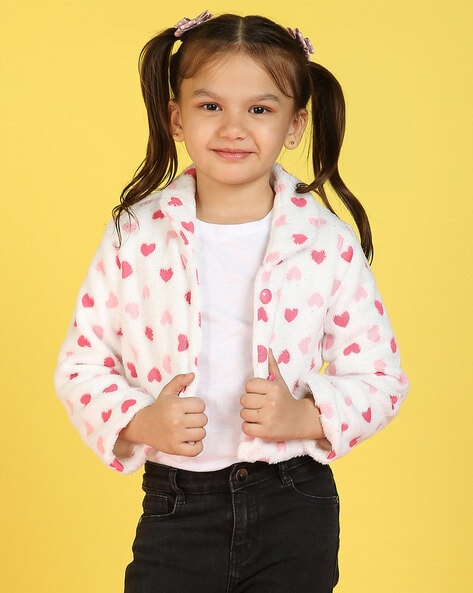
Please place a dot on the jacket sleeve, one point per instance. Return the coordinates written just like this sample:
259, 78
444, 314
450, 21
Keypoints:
363, 385
90, 378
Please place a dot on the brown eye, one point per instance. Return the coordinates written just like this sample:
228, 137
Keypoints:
258, 110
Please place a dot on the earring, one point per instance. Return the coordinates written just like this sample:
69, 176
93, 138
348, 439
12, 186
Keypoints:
292, 142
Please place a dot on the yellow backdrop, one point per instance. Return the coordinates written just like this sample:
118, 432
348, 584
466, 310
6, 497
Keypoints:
73, 132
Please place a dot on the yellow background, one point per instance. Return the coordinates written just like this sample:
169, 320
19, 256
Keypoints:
73, 131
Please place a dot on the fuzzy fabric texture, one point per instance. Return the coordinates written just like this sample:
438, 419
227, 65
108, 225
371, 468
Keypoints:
316, 305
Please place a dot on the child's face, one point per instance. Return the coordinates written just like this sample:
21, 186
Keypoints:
234, 121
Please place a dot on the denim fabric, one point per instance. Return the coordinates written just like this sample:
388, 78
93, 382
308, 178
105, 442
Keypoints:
252, 527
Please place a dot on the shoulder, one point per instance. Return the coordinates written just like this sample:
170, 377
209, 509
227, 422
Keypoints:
305, 209
149, 208
174, 202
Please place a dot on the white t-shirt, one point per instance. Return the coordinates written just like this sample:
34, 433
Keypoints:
228, 257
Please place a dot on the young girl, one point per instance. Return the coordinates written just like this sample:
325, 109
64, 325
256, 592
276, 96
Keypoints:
210, 309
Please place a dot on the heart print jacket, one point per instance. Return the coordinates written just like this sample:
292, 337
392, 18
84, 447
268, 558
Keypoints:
316, 304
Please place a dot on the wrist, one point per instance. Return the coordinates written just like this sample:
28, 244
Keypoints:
134, 432
123, 449
312, 424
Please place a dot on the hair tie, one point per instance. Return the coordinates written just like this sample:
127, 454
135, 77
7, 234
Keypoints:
187, 24
304, 42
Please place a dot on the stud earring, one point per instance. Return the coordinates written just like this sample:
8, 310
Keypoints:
292, 142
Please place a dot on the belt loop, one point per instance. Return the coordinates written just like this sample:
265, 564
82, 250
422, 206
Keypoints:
283, 473
180, 497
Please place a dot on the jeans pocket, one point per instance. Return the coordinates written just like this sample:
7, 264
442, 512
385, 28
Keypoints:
158, 504
314, 482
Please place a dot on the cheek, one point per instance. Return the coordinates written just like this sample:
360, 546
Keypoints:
195, 129
274, 138
194, 138
196, 141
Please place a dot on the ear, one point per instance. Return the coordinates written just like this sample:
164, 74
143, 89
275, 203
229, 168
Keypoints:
175, 121
296, 129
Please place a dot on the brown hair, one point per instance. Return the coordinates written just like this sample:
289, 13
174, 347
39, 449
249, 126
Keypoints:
275, 50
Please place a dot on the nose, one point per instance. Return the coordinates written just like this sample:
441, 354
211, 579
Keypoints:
232, 125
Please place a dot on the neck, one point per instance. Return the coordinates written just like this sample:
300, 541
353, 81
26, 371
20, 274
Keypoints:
232, 204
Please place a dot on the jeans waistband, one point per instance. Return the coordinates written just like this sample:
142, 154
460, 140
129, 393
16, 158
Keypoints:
239, 474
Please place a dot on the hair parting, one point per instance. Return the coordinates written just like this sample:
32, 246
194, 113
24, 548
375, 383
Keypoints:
277, 51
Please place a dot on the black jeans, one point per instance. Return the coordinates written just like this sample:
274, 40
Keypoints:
251, 527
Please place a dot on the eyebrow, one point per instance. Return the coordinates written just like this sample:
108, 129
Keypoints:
257, 99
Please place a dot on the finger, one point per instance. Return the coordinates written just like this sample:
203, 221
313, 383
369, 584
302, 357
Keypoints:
192, 405
195, 420
250, 416
252, 401
252, 429
257, 386
191, 448
179, 383
273, 368
192, 435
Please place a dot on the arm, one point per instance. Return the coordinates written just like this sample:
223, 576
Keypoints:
363, 385
91, 379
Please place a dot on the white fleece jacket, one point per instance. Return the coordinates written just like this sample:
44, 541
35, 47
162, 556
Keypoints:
136, 325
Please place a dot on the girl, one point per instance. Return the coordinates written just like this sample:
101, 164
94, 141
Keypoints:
210, 309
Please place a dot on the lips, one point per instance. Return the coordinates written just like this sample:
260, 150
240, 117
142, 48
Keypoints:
231, 154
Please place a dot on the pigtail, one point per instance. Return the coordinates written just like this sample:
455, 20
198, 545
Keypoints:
160, 164
328, 129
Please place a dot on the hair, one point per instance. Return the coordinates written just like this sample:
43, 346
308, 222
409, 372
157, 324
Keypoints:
277, 52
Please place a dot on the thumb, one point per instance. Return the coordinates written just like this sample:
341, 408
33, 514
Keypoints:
179, 383
273, 368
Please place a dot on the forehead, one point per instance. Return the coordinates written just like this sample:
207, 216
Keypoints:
233, 73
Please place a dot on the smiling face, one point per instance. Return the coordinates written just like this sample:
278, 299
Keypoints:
234, 121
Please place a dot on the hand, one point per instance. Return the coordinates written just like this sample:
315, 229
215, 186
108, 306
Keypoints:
172, 424
269, 410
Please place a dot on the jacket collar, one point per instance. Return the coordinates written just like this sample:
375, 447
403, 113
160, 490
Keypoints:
296, 220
